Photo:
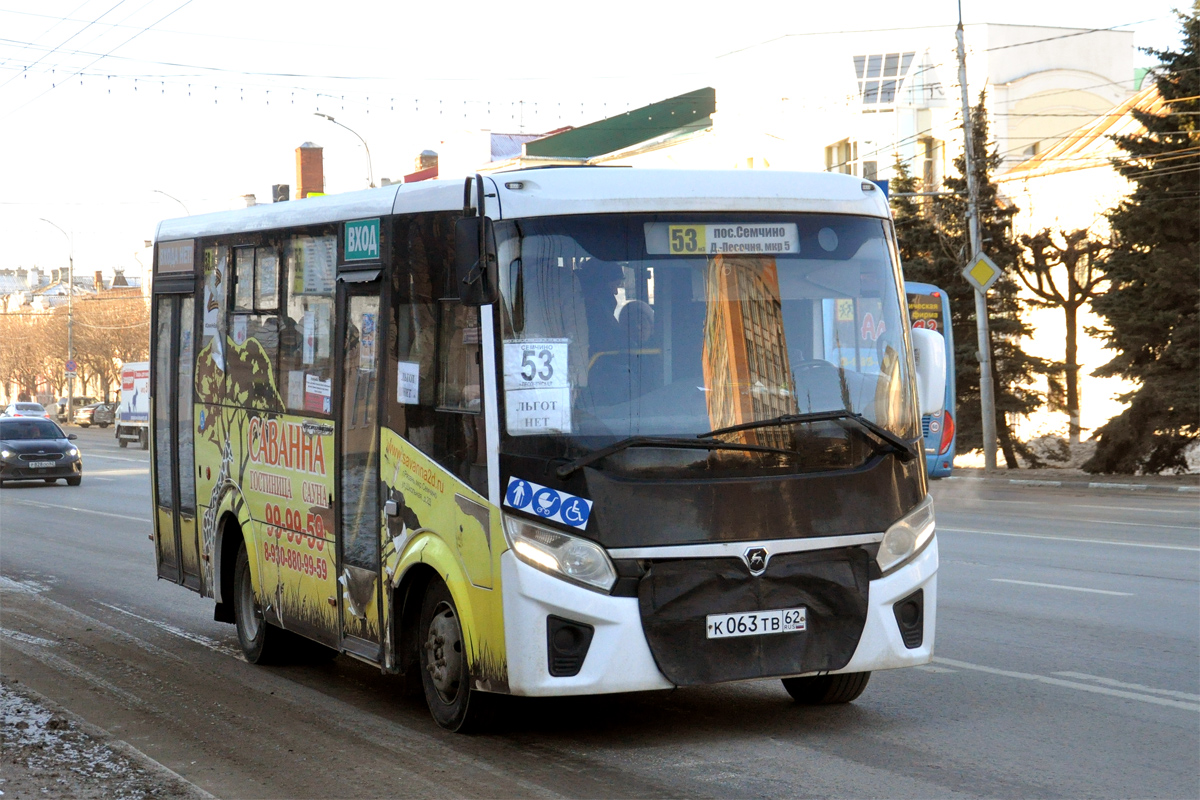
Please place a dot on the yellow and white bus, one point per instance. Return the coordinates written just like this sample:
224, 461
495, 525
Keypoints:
557, 431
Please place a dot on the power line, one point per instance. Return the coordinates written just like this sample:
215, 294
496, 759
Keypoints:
69, 38
122, 44
1070, 35
198, 66
59, 21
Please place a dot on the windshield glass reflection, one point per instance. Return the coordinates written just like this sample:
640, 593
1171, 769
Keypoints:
616, 326
14, 430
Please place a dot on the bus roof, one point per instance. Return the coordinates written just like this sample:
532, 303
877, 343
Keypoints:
563, 190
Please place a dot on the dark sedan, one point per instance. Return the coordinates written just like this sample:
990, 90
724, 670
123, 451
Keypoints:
95, 414
37, 450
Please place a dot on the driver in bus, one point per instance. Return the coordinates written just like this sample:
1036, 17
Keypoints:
601, 280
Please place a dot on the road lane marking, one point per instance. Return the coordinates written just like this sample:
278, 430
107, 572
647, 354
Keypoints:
1060, 586
931, 668
81, 510
1074, 539
27, 638
204, 641
1088, 506
145, 461
1105, 522
54, 662
1134, 686
1085, 687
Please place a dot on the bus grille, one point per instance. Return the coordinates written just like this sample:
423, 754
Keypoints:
675, 598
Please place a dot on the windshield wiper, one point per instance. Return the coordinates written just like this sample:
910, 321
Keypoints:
699, 443
904, 450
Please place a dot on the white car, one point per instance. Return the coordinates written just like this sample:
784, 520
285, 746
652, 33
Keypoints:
26, 410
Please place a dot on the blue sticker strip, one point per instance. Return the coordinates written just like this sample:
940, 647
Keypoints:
547, 503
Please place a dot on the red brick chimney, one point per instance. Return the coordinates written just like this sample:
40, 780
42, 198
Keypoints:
310, 170
99, 281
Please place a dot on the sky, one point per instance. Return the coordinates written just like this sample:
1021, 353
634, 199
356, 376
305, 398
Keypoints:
116, 114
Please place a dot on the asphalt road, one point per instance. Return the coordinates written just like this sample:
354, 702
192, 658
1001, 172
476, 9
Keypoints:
1068, 665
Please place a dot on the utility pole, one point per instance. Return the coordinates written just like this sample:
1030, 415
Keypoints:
987, 394
70, 317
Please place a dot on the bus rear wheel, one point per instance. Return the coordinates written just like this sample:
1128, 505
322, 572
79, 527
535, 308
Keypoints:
261, 642
445, 674
826, 690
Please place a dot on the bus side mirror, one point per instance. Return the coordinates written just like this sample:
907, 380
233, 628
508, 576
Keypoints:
476, 266
929, 353
475, 263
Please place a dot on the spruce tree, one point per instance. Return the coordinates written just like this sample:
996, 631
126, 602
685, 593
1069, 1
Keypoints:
934, 247
1150, 308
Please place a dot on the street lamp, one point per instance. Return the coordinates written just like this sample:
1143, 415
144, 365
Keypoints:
176, 199
70, 316
370, 171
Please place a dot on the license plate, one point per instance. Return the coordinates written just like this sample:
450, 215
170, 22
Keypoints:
757, 623
41, 464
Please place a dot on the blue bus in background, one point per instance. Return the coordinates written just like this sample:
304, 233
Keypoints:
929, 307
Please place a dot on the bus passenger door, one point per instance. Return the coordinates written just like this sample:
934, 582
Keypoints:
176, 546
358, 529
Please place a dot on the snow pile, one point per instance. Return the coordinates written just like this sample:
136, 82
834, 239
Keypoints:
45, 754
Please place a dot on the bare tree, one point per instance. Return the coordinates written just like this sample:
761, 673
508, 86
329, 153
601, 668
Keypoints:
27, 339
110, 330
1061, 270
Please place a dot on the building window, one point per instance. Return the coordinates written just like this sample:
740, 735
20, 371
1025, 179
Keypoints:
842, 157
930, 153
880, 76
870, 170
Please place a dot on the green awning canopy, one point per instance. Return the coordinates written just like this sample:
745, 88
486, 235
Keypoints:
691, 111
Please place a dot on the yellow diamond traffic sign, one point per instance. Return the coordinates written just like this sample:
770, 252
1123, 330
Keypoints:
982, 272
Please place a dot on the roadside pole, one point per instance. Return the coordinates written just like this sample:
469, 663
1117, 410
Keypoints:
70, 318
987, 397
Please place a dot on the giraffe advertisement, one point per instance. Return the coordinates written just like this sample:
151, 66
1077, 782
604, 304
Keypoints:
273, 472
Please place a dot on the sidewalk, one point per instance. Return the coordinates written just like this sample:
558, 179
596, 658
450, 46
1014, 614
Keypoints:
1077, 479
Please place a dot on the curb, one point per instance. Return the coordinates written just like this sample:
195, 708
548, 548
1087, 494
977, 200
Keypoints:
1124, 487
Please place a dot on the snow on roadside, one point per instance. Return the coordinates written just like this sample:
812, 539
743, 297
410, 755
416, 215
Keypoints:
46, 753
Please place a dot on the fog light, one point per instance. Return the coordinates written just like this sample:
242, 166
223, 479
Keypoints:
567, 644
910, 617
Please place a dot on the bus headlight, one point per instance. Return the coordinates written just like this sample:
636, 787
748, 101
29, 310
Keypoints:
562, 555
6, 453
906, 537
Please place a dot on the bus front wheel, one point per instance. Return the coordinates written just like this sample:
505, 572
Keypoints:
824, 690
260, 641
445, 674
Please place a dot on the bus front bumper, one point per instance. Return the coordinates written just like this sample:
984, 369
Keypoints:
619, 658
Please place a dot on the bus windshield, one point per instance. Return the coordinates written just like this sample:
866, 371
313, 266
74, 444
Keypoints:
673, 325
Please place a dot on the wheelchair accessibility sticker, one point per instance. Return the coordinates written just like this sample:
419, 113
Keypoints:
548, 503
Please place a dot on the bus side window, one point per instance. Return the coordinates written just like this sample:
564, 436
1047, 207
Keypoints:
433, 371
254, 351
243, 295
210, 364
306, 326
460, 374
